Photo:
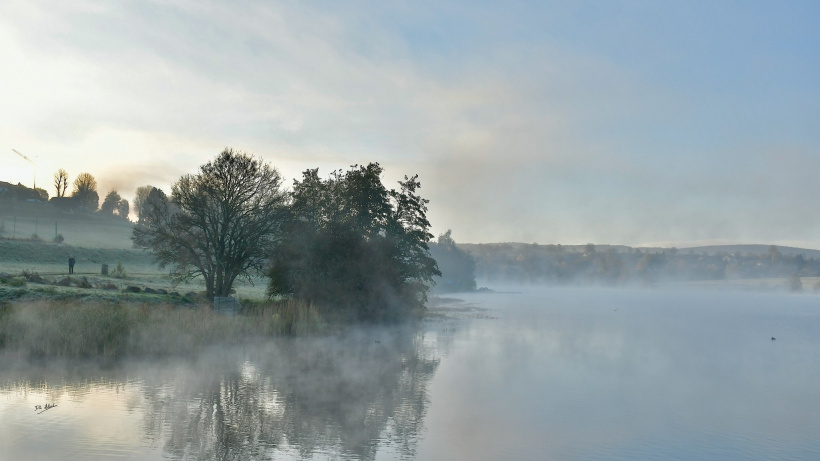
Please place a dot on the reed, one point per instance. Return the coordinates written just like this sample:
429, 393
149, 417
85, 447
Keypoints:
91, 329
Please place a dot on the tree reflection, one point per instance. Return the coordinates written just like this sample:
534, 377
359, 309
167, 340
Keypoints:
345, 395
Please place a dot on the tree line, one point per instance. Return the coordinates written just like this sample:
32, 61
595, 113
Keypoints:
84, 196
345, 243
556, 264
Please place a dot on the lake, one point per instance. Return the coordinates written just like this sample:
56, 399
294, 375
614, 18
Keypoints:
559, 373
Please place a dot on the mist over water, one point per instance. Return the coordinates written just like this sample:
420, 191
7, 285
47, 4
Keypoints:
533, 373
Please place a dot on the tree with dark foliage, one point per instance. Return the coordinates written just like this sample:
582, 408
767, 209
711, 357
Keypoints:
110, 203
85, 191
123, 208
353, 247
140, 196
457, 266
220, 223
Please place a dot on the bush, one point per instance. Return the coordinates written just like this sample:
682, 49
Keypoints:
119, 272
35, 237
32, 276
17, 282
83, 283
64, 282
59, 238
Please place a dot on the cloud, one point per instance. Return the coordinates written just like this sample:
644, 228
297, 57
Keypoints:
548, 123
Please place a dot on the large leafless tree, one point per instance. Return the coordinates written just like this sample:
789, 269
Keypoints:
220, 223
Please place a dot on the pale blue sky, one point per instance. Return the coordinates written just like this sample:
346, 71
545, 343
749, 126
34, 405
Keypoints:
628, 122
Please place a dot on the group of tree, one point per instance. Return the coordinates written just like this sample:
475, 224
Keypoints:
556, 264
345, 243
350, 242
457, 265
85, 196
18, 192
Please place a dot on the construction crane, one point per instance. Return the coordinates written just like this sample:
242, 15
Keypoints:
32, 164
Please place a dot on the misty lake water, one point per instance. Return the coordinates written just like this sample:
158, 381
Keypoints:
563, 374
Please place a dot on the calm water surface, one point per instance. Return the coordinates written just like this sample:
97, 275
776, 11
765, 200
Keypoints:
563, 374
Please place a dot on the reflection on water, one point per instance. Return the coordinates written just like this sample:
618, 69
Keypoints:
347, 396
552, 374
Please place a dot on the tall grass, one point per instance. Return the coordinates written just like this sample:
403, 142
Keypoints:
54, 329
295, 317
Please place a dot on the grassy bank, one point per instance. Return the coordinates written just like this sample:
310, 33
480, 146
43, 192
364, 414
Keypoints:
41, 253
93, 329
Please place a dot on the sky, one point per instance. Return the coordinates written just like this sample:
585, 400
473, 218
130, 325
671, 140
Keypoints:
611, 122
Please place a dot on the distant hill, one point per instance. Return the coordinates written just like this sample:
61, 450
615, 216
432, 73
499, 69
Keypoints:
20, 220
517, 246
615, 264
753, 249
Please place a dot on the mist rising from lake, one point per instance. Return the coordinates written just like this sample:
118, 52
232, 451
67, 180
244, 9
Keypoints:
540, 374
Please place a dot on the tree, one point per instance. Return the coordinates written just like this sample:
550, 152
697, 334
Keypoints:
112, 200
354, 248
140, 197
123, 209
85, 190
220, 223
456, 265
61, 182
42, 193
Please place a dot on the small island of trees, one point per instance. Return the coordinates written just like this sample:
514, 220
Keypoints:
345, 244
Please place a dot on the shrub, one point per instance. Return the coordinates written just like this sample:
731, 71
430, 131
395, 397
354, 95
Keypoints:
32, 276
83, 283
17, 282
35, 237
64, 282
119, 272
59, 238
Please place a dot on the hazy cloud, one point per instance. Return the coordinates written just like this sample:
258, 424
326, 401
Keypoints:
548, 122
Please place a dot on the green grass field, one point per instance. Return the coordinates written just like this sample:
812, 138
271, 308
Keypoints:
93, 241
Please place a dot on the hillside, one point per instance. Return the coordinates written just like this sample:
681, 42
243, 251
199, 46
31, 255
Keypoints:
605, 264
753, 249
92, 239
20, 220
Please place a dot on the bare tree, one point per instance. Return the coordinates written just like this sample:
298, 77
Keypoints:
61, 182
220, 223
